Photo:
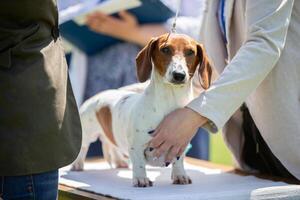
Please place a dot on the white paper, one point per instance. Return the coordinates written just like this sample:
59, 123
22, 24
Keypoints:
79, 11
208, 184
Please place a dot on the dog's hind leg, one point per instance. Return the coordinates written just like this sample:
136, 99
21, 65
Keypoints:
113, 156
90, 133
78, 164
109, 144
119, 159
106, 153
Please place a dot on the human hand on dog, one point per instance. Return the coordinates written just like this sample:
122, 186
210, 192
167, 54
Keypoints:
175, 132
113, 26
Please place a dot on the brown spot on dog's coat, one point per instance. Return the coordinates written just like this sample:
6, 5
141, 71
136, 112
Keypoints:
104, 117
205, 68
143, 61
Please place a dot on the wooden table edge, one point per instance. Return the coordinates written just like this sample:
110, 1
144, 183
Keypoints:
71, 193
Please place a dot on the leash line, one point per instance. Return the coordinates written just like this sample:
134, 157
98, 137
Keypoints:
173, 30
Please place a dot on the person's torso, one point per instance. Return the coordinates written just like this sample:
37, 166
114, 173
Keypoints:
21, 19
275, 104
39, 122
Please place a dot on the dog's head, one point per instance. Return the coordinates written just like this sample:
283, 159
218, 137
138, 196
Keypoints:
175, 58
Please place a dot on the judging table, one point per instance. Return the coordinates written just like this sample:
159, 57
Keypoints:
67, 192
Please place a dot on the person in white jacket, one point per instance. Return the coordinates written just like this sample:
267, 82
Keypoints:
255, 48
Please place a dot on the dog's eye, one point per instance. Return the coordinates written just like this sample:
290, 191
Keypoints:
189, 52
165, 50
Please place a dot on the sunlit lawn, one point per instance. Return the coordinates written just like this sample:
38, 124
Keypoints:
219, 153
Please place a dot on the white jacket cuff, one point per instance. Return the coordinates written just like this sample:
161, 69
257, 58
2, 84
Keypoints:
215, 122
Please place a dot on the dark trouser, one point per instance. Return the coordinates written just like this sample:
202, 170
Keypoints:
42, 186
200, 145
256, 152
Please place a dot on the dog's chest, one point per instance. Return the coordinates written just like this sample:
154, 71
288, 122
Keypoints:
137, 117
134, 118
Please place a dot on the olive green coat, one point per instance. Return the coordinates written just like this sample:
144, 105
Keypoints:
39, 123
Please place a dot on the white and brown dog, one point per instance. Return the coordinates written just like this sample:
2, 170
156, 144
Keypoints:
124, 120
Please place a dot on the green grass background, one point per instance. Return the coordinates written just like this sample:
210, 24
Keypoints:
218, 151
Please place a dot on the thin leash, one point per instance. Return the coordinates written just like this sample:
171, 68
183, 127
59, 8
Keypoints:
173, 29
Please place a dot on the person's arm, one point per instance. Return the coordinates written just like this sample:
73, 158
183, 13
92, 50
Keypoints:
267, 29
128, 29
267, 25
125, 28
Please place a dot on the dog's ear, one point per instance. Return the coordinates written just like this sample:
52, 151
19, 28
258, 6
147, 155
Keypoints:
143, 61
205, 68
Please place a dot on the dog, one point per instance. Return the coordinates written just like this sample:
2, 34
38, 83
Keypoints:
124, 120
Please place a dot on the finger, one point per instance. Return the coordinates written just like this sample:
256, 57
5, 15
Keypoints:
174, 151
126, 15
91, 24
157, 139
99, 14
128, 18
156, 131
94, 25
180, 153
89, 19
92, 16
162, 149
156, 143
93, 20
98, 17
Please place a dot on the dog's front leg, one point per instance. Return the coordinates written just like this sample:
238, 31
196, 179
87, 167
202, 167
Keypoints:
179, 175
137, 158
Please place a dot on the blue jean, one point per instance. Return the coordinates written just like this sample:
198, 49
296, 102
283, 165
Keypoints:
43, 186
200, 145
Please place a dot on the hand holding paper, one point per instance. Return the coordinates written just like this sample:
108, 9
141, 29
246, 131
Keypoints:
73, 21
113, 26
79, 11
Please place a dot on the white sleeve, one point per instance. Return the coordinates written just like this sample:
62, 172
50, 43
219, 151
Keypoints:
267, 23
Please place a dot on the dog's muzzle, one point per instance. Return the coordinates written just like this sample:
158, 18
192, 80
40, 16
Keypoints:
178, 77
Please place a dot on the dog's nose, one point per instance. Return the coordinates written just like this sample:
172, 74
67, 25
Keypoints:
178, 76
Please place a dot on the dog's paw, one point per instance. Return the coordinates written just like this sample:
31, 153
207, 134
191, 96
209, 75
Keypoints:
122, 165
142, 182
181, 180
77, 167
